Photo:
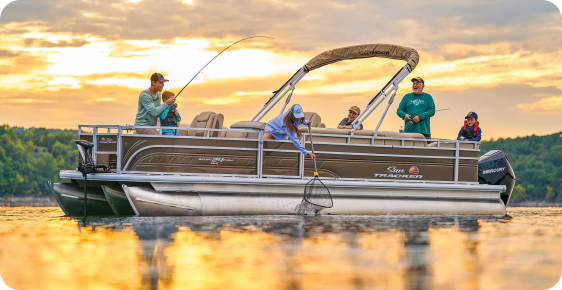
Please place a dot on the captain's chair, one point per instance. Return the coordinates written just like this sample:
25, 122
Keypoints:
205, 120
315, 120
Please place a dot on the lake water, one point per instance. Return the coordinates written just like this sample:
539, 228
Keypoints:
42, 249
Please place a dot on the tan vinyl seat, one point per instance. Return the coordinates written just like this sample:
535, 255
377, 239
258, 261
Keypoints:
343, 134
205, 120
315, 120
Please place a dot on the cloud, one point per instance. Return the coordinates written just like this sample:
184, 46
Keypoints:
550, 106
81, 58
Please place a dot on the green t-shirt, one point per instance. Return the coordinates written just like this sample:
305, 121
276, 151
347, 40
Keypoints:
421, 105
149, 108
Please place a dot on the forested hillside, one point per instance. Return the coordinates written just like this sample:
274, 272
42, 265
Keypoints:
30, 157
537, 161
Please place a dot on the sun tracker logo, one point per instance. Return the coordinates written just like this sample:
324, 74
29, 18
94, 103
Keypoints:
393, 172
107, 141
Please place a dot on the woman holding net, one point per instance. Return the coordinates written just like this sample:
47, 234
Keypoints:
288, 124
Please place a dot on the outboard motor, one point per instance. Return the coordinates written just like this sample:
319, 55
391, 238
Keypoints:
494, 168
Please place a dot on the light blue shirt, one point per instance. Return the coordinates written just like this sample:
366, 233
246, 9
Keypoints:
278, 126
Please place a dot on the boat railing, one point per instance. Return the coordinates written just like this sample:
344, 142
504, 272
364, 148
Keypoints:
103, 133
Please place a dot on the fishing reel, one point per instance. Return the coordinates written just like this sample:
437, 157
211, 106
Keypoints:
173, 107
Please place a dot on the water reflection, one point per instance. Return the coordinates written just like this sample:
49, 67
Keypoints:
293, 243
285, 252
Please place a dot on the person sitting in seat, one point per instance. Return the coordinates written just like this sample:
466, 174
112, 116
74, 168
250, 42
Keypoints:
287, 124
354, 112
471, 130
170, 117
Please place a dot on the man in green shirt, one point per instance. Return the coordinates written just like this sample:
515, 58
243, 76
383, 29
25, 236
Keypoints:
416, 108
149, 105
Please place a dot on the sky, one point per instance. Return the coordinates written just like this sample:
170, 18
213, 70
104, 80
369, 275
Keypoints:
70, 62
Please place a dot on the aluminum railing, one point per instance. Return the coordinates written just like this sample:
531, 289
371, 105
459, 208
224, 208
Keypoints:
128, 131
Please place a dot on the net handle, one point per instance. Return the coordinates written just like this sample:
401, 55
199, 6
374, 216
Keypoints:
312, 146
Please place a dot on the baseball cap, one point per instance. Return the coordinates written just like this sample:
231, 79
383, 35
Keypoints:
471, 115
419, 80
297, 111
157, 77
355, 109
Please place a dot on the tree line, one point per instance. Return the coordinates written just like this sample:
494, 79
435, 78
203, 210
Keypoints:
537, 162
31, 157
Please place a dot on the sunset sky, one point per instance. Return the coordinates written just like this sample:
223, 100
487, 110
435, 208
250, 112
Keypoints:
70, 62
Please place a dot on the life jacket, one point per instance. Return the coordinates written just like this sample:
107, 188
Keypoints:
171, 119
468, 134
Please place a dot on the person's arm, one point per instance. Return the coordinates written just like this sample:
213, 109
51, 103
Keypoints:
146, 102
164, 113
179, 117
430, 111
401, 111
341, 125
460, 134
295, 139
478, 135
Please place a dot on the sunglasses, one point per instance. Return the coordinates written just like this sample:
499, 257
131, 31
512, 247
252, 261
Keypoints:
353, 113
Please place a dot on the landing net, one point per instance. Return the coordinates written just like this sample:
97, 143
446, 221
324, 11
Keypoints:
316, 193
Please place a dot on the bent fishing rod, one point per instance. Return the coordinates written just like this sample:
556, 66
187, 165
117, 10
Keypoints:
214, 59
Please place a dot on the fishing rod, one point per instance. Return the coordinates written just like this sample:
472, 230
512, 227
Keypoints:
411, 122
216, 57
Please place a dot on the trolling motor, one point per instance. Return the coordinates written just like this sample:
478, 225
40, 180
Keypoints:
88, 167
494, 168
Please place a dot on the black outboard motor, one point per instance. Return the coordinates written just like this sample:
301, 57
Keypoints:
494, 168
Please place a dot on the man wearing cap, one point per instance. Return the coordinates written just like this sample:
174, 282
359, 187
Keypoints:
149, 105
416, 109
354, 112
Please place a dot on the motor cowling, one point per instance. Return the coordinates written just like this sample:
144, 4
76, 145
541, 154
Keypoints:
494, 168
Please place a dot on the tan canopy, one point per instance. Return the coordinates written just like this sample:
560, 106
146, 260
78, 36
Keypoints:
410, 55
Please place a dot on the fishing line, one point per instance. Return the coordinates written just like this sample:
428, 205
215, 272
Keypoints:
216, 57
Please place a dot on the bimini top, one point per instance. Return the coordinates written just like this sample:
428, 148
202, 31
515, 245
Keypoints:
410, 55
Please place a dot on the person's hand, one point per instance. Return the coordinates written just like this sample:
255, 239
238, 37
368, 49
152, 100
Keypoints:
416, 119
311, 155
170, 101
340, 126
407, 117
176, 112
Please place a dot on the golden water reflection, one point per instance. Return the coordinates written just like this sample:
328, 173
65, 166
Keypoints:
42, 249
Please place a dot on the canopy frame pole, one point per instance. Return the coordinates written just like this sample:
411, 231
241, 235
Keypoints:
384, 114
292, 88
392, 85
279, 94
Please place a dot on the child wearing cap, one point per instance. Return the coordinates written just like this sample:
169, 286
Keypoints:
287, 124
471, 130
354, 112
170, 117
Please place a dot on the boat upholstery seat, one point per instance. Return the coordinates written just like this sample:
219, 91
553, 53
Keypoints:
343, 135
315, 120
205, 120
245, 126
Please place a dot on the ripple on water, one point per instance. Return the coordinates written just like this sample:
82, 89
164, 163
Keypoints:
42, 249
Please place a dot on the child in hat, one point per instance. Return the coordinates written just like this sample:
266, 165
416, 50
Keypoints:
170, 117
471, 130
